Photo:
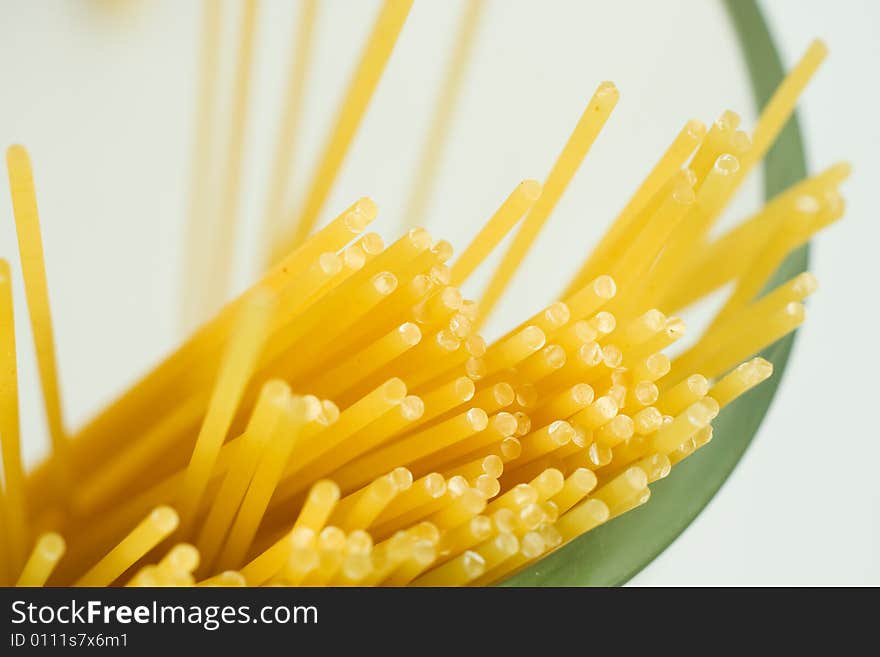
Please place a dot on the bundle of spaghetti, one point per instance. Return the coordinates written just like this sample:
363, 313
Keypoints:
343, 422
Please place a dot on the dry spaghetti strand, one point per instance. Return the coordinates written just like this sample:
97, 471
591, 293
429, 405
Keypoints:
587, 129
196, 262
438, 130
227, 212
33, 266
235, 371
13, 500
283, 162
370, 68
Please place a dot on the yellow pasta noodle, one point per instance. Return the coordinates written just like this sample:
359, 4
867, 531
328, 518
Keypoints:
344, 422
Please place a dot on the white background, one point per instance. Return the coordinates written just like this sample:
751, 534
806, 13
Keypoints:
101, 92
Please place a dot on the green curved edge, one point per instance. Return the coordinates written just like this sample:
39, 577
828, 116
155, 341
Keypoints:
612, 554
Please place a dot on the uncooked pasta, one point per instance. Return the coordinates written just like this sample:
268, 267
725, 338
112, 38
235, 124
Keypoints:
343, 422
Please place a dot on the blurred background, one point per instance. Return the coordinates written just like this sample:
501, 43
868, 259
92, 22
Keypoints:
102, 93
